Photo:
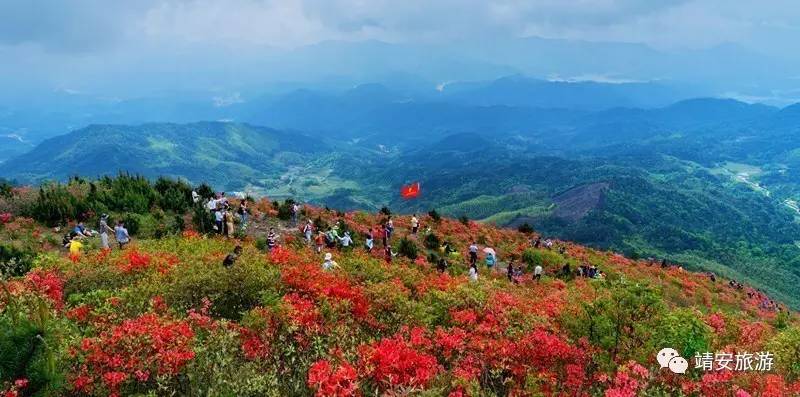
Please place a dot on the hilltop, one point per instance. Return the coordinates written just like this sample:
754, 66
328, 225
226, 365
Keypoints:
671, 174
164, 315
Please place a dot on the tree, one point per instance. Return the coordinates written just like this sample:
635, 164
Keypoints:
525, 228
407, 248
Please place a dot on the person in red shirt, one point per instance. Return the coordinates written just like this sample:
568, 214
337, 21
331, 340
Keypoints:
320, 241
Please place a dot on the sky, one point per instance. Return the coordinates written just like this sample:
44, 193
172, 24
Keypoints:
115, 48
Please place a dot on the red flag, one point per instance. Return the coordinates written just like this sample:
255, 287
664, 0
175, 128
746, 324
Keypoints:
410, 191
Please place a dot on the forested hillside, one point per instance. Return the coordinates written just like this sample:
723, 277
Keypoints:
169, 313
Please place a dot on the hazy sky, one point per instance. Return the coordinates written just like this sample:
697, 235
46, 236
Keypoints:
66, 44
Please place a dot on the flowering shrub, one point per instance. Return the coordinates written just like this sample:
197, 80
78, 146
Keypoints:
333, 380
50, 284
134, 351
141, 320
397, 362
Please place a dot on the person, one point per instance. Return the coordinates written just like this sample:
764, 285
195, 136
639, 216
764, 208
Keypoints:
389, 254
510, 271
329, 262
195, 197
330, 238
121, 234
211, 205
384, 233
389, 228
308, 230
228, 217
243, 213
345, 240
75, 247
369, 243
592, 271
232, 257
601, 275
320, 241
518, 274
537, 272
441, 266
473, 253
218, 221
565, 270
414, 224
473, 272
537, 242
272, 239
664, 263
295, 211
548, 244
67, 240
80, 230
490, 260
103, 229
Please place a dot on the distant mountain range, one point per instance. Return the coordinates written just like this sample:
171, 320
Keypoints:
712, 183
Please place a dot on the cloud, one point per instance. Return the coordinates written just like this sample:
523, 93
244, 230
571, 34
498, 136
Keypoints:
67, 26
97, 25
128, 48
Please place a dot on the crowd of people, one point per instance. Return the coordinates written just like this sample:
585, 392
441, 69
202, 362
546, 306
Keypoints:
223, 213
73, 241
338, 237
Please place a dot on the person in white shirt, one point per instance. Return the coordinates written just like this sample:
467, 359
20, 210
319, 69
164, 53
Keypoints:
473, 273
346, 240
211, 205
537, 272
414, 224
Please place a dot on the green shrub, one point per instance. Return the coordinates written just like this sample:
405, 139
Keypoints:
435, 216
432, 241
15, 261
284, 209
202, 219
232, 291
55, 205
525, 228
407, 248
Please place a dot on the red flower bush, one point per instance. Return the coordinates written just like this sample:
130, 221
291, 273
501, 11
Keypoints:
134, 261
48, 283
395, 362
134, 350
311, 280
333, 380
630, 379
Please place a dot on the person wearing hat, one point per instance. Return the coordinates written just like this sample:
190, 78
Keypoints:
103, 228
329, 262
345, 241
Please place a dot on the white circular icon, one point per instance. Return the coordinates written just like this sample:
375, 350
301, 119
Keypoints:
678, 365
665, 355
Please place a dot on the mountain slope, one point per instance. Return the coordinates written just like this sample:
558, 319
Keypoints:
231, 155
279, 323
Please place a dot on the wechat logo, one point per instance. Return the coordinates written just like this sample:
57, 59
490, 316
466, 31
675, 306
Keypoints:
669, 358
